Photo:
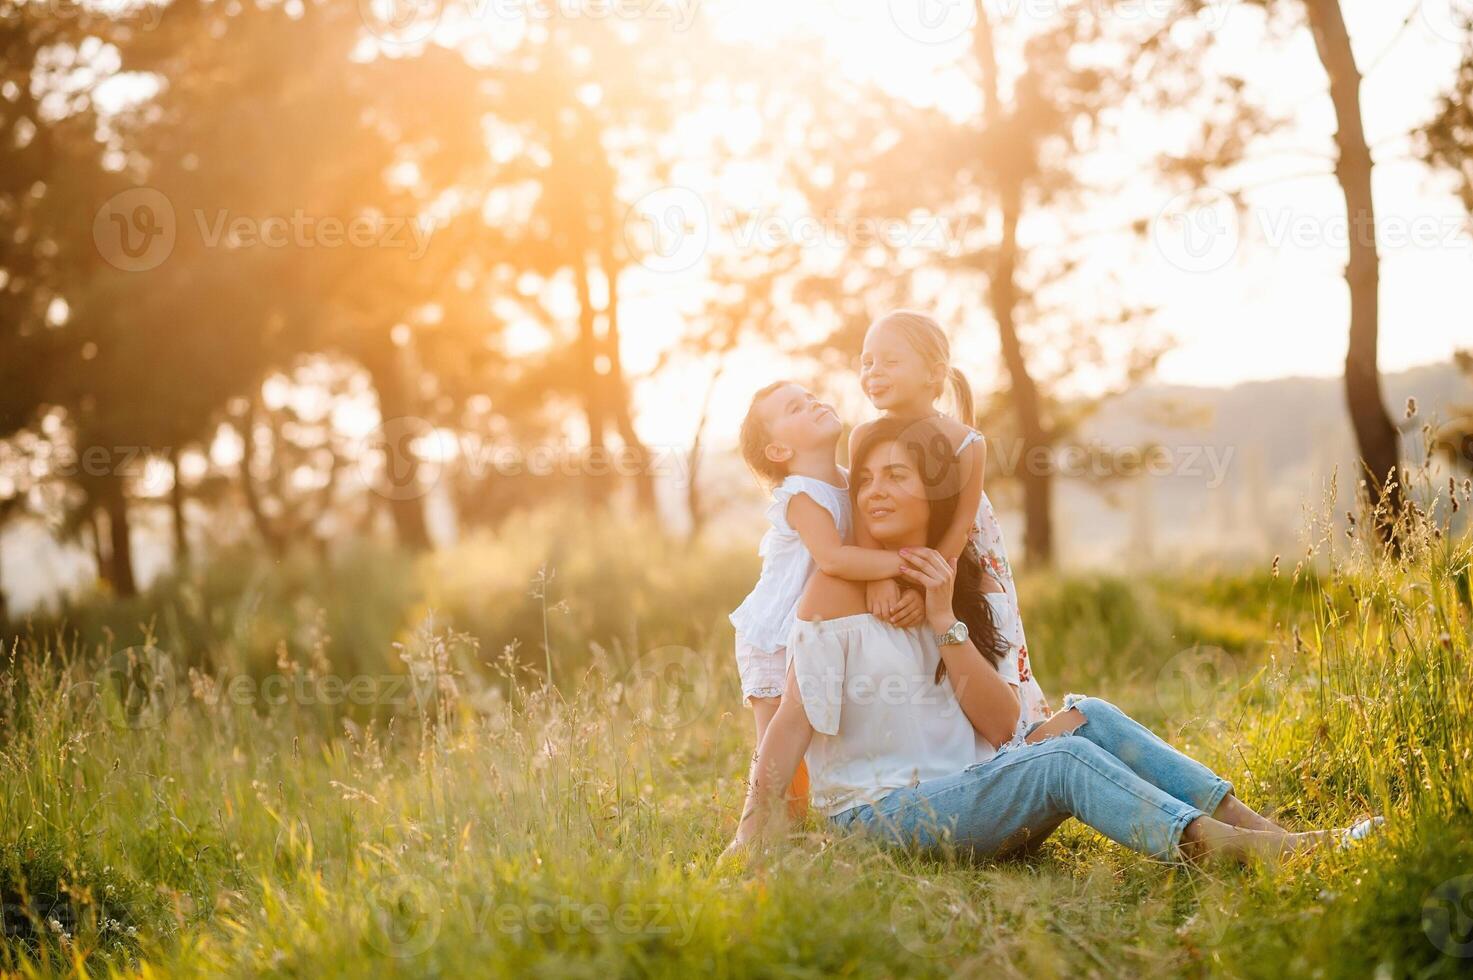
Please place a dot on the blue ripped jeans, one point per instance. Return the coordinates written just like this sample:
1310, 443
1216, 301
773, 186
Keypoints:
1111, 773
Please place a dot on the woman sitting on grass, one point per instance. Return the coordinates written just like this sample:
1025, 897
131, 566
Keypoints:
912, 734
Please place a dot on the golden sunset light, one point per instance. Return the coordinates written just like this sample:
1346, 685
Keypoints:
667, 488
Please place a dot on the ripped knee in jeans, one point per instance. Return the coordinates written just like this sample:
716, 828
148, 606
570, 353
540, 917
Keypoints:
1063, 723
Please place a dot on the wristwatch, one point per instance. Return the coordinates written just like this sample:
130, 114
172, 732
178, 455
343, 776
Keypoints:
954, 636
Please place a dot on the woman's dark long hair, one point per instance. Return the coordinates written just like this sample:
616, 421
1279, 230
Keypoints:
941, 474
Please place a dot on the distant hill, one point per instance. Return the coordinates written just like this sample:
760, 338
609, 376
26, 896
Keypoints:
1276, 445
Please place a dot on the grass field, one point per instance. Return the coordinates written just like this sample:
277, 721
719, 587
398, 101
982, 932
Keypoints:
361, 770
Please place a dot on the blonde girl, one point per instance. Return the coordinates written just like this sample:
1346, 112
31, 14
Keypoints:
905, 368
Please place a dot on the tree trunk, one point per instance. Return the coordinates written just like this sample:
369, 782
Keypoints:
114, 503
396, 407
99, 553
694, 502
4, 604
1374, 433
619, 396
176, 511
269, 536
1036, 473
1036, 476
592, 382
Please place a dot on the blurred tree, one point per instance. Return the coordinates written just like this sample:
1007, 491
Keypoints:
51, 182
968, 183
343, 245
1225, 140
1446, 142
1375, 434
1446, 145
747, 304
588, 105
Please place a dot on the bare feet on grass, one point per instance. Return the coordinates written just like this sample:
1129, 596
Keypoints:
1208, 839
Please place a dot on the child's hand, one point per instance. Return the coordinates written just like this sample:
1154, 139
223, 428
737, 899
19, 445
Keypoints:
881, 598
909, 611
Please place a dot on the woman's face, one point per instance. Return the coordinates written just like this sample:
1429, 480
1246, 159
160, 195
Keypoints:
890, 496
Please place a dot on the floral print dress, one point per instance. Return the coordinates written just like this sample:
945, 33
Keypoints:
987, 535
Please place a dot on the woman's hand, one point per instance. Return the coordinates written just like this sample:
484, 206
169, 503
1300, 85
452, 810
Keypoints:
930, 570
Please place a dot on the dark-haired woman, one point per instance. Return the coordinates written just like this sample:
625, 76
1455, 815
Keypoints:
913, 734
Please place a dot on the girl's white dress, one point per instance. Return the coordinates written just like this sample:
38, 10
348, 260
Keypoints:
989, 541
765, 618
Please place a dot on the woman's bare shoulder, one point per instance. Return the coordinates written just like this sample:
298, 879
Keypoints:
827, 597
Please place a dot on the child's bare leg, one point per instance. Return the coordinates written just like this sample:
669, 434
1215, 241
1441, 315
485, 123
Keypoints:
762, 711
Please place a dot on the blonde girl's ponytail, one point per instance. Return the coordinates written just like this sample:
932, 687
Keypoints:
961, 391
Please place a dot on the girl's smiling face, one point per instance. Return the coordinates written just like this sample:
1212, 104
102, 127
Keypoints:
890, 496
893, 373
796, 421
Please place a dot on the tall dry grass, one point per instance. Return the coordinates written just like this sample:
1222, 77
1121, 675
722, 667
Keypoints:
210, 795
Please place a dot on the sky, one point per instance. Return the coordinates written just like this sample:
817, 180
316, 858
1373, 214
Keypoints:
1244, 296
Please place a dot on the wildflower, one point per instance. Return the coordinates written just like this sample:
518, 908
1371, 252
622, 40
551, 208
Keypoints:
1411, 407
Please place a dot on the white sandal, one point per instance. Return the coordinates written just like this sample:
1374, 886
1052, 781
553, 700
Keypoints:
1350, 838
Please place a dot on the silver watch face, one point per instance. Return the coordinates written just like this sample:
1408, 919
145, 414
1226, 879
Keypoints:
957, 634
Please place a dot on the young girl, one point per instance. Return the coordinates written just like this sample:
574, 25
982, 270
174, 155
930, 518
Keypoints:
904, 368
788, 439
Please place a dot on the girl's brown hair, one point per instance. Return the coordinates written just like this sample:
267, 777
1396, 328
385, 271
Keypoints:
930, 450
754, 439
930, 341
